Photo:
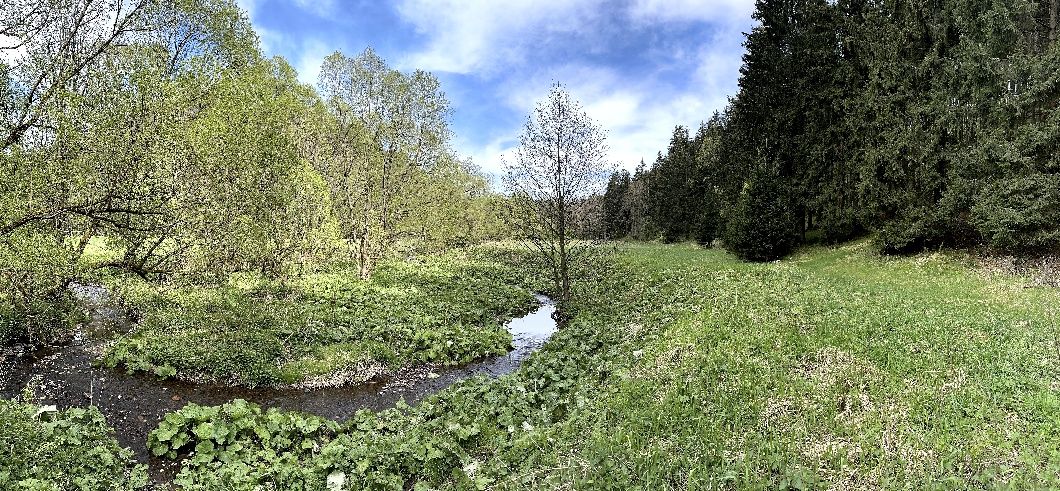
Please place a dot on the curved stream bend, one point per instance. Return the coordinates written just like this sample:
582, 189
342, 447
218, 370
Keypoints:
133, 404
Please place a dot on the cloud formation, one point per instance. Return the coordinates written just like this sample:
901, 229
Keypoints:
639, 67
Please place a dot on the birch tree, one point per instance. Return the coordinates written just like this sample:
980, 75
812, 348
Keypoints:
559, 164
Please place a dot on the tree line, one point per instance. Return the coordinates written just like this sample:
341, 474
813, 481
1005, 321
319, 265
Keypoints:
159, 127
923, 123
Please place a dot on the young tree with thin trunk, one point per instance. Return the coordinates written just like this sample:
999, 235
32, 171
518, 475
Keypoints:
558, 165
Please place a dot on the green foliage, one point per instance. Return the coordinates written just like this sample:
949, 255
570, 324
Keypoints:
682, 186
237, 444
762, 225
34, 304
690, 369
445, 440
383, 151
255, 331
1020, 214
919, 229
45, 450
194, 156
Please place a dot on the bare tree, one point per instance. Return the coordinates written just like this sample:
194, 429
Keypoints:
558, 165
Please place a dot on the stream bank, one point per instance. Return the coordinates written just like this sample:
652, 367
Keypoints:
134, 403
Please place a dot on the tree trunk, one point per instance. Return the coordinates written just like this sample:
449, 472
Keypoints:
1053, 4
364, 259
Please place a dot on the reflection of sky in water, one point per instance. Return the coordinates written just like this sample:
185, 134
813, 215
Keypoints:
537, 325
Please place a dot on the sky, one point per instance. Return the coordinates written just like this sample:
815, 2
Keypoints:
639, 67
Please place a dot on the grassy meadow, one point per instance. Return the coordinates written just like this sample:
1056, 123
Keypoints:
835, 369
684, 368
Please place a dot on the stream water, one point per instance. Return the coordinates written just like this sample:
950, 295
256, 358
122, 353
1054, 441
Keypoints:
133, 404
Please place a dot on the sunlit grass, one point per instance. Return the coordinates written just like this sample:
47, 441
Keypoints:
834, 369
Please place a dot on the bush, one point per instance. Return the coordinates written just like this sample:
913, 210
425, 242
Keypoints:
34, 303
238, 445
762, 225
708, 222
914, 233
1020, 215
56, 450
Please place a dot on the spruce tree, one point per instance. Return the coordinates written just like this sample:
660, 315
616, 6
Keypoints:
616, 205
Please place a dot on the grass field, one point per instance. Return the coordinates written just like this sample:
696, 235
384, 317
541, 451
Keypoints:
834, 369
686, 369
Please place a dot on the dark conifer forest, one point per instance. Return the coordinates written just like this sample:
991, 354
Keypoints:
924, 124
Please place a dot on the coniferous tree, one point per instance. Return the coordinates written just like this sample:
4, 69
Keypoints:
761, 227
925, 123
761, 128
641, 225
616, 209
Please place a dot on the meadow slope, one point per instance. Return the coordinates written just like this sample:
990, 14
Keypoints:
834, 369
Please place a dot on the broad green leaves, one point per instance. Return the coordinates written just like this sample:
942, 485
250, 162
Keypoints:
58, 450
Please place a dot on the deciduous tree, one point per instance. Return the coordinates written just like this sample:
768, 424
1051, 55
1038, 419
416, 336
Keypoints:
559, 164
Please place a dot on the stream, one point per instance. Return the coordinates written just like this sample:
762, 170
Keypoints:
134, 403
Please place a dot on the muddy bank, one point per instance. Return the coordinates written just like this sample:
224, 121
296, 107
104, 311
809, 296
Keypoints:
133, 404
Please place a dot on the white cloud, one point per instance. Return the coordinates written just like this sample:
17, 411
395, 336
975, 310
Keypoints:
640, 115
497, 41
306, 54
310, 59
490, 155
318, 7
715, 11
490, 39
467, 36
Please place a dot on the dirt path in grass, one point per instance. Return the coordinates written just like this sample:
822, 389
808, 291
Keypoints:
133, 404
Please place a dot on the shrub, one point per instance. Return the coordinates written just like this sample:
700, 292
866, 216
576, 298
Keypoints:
238, 445
1020, 215
910, 234
762, 225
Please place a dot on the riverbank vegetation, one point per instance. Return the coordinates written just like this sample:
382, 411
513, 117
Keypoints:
42, 448
329, 327
874, 372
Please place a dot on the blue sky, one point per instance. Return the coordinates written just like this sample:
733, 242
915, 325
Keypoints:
638, 66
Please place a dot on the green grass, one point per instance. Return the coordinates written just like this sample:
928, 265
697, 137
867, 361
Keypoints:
327, 327
686, 369
835, 369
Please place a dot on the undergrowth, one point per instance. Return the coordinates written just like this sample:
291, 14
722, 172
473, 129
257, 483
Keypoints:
46, 450
327, 325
